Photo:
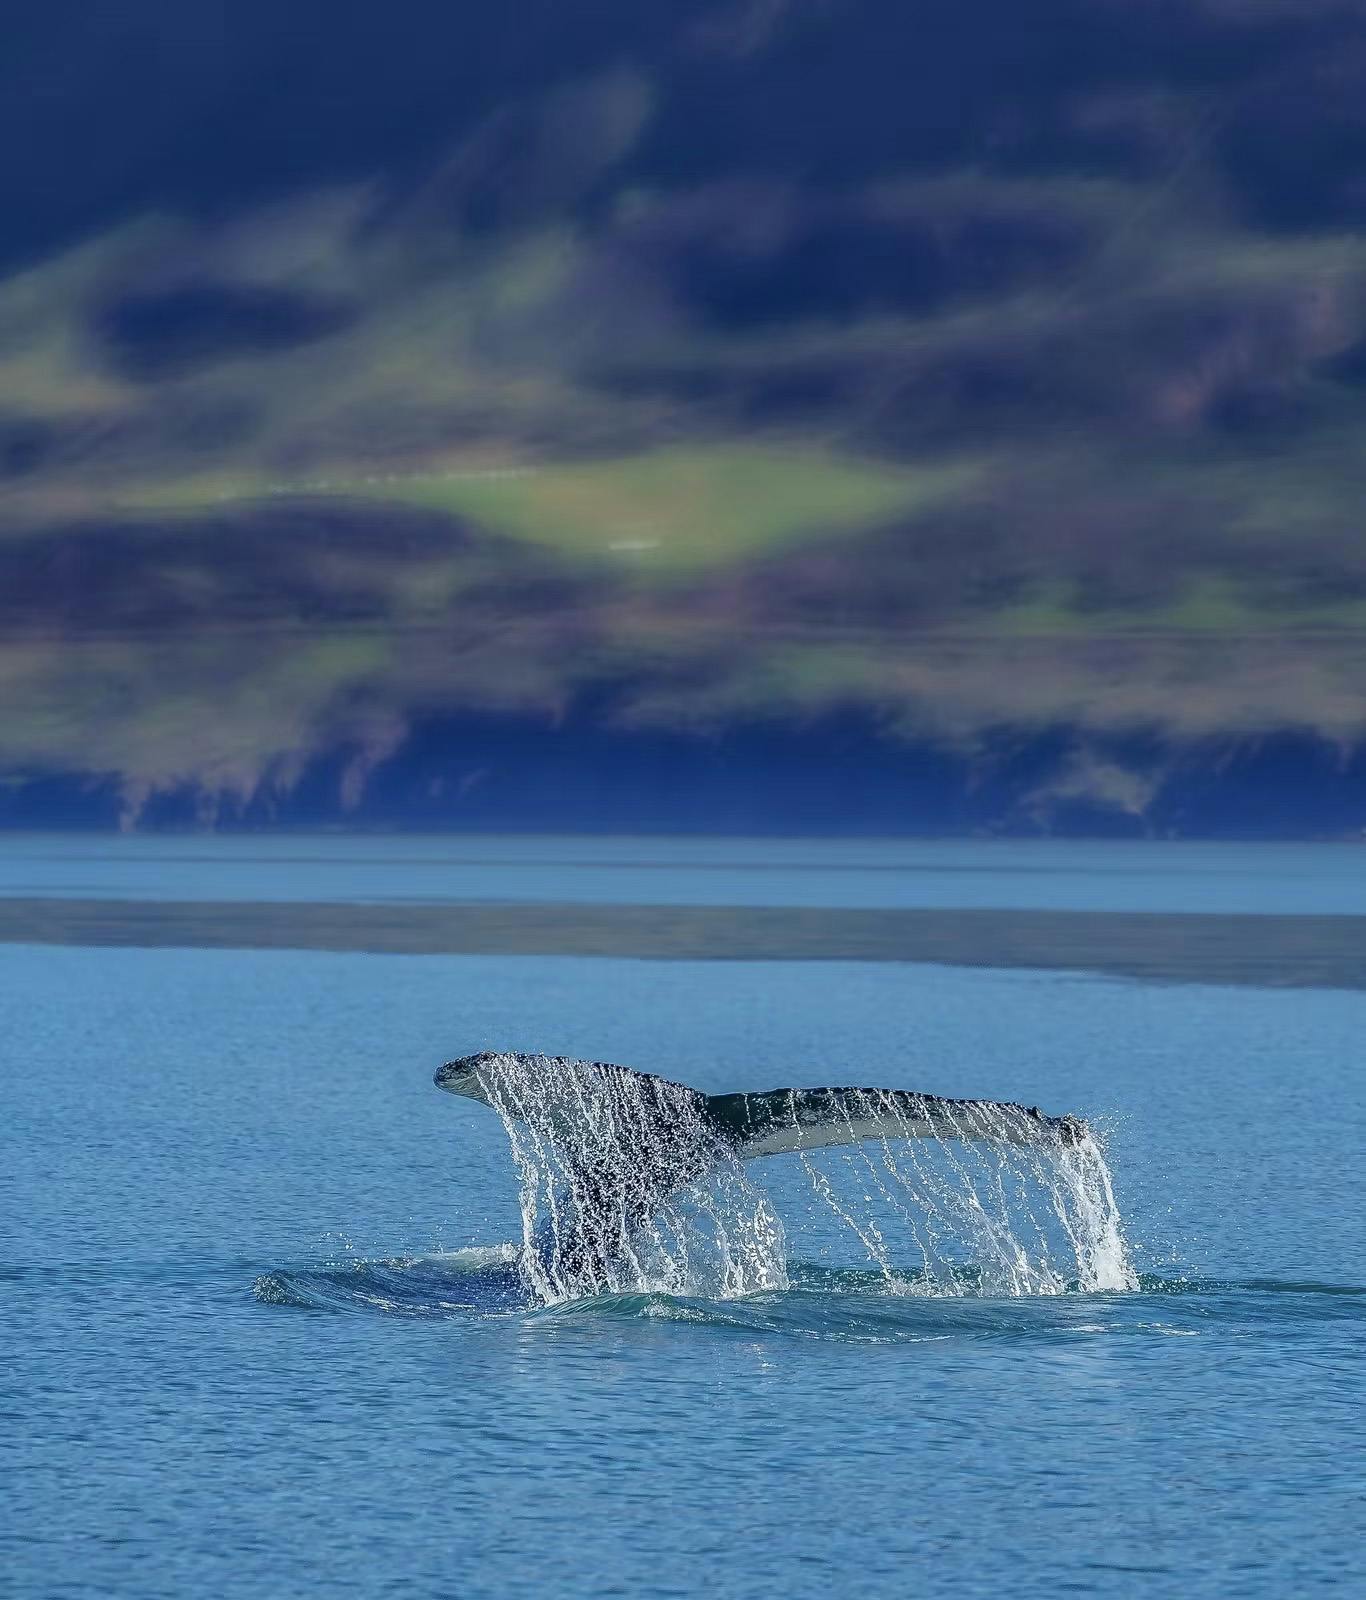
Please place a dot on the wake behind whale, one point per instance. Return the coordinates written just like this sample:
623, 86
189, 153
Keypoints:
631, 1183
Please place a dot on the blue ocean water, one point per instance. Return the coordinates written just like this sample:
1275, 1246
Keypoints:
999, 874
258, 1336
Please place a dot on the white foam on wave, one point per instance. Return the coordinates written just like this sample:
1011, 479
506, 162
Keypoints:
469, 1258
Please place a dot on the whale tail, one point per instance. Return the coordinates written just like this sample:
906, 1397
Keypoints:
749, 1124
613, 1164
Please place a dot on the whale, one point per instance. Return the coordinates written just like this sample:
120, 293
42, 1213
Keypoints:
616, 1143
751, 1123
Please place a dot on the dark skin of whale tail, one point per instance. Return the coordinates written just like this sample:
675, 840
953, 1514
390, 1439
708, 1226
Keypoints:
777, 1121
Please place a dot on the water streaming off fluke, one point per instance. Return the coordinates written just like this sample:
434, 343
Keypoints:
627, 1186
632, 1184
992, 1203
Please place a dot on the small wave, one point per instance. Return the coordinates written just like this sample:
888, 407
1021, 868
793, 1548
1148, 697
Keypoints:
1157, 1285
845, 1305
483, 1281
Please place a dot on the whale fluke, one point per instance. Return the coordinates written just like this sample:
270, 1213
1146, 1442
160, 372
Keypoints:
617, 1168
755, 1124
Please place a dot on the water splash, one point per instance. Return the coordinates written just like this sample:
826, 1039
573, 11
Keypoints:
995, 1205
626, 1187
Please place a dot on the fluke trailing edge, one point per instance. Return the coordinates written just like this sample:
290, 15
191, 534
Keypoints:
758, 1124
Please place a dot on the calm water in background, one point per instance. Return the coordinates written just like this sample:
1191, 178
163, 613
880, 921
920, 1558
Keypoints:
997, 873
178, 1125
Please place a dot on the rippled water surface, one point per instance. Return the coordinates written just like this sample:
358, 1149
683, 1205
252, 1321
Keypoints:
264, 1334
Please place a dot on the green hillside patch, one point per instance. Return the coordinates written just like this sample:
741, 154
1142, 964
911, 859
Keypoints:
1207, 604
679, 511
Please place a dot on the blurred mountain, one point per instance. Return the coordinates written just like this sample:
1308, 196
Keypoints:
793, 413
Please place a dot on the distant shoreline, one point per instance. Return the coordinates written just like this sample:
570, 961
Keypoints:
829, 776
1280, 951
